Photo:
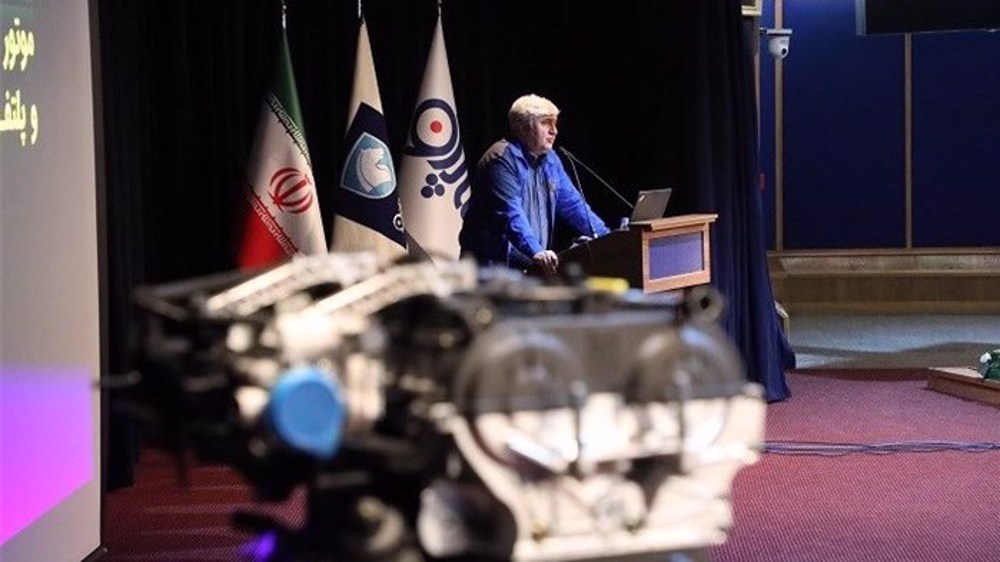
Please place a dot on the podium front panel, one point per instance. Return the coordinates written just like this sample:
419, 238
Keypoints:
677, 255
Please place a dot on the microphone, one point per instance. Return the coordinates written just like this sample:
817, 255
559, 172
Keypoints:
579, 187
573, 159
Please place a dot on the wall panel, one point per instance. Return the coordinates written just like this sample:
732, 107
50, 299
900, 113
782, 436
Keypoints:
844, 184
956, 139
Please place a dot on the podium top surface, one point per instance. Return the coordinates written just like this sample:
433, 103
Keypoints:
679, 221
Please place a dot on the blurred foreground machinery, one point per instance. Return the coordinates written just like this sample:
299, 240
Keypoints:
446, 411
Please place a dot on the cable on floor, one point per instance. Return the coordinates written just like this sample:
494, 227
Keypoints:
839, 449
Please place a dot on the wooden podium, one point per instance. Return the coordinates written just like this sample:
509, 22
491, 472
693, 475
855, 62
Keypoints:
657, 255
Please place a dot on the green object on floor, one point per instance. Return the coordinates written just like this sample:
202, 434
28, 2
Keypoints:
989, 365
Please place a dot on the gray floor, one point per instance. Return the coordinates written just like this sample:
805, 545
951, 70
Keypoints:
892, 341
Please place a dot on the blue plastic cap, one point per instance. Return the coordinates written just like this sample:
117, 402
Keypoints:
307, 411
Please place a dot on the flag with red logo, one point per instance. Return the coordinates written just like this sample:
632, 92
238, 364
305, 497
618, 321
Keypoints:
283, 217
434, 179
367, 203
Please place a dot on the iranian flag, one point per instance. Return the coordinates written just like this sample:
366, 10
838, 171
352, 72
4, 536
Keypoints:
283, 217
434, 179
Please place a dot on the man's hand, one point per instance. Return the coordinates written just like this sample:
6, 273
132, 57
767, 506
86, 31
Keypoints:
547, 260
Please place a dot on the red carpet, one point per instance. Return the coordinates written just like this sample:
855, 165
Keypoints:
159, 520
902, 506
936, 506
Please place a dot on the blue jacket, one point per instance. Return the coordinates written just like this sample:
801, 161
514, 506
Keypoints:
497, 225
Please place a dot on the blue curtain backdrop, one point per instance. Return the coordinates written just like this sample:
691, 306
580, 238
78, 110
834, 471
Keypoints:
652, 94
724, 152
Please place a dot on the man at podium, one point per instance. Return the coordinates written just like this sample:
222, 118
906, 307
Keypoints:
520, 189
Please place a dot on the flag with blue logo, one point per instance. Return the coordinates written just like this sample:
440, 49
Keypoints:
434, 180
283, 217
366, 203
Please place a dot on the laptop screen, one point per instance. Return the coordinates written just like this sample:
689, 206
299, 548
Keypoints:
650, 204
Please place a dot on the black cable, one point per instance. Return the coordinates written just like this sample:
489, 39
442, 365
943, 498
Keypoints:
840, 449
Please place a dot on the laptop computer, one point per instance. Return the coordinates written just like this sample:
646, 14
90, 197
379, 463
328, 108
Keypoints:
650, 204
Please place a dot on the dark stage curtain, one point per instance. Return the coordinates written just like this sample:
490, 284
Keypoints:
653, 94
723, 157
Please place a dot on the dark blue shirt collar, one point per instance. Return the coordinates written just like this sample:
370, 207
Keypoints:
518, 150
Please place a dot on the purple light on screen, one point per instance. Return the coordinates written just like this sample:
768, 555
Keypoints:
46, 441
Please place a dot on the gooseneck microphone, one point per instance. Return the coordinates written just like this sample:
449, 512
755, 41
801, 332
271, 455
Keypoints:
579, 187
574, 160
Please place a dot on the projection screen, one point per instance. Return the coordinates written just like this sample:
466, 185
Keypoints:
50, 358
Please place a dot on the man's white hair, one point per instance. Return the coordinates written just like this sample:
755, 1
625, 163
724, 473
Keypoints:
526, 109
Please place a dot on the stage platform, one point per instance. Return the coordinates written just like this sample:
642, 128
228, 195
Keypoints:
965, 383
